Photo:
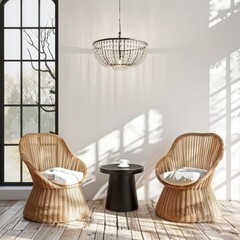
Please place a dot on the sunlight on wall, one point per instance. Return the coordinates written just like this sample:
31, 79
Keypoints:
155, 123
219, 10
224, 105
108, 147
135, 136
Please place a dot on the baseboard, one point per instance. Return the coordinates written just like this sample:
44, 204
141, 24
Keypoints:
14, 193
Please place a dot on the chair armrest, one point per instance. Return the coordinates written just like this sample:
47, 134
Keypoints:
166, 164
205, 179
163, 165
77, 164
39, 179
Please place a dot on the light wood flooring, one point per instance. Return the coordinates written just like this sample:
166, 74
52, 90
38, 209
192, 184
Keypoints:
104, 224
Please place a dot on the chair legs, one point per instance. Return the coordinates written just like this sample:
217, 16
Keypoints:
183, 205
55, 206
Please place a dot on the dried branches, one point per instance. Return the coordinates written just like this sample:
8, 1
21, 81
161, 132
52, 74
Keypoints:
42, 42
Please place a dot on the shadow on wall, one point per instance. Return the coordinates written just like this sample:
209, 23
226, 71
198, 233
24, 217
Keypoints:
221, 10
140, 133
224, 108
224, 105
187, 70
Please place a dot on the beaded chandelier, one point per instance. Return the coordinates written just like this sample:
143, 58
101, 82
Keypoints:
120, 53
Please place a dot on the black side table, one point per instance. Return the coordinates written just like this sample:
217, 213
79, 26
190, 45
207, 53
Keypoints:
121, 195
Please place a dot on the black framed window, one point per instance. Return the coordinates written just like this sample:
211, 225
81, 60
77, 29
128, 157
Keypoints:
28, 79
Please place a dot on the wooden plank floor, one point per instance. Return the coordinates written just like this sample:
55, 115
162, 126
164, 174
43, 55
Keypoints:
104, 224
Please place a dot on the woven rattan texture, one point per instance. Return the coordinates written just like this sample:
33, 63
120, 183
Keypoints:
49, 202
195, 202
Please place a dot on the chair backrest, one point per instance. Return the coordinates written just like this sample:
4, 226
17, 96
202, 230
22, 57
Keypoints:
44, 150
200, 150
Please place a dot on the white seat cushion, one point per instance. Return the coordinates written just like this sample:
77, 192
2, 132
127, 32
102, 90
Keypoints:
63, 176
183, 176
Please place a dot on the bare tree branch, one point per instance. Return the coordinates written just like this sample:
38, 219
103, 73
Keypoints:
31, 43
36, 69
48, 44
47, 110
42, 41
44, 49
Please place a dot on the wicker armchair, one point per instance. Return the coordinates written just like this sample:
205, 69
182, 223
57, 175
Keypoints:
195, 202
50, 202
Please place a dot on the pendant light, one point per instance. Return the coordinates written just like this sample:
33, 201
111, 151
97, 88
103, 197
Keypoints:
120, 53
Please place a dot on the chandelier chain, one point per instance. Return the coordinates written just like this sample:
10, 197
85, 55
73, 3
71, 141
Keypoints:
119, 18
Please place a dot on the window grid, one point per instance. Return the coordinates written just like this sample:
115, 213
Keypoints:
39, 105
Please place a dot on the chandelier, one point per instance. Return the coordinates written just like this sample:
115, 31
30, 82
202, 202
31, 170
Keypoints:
120, 53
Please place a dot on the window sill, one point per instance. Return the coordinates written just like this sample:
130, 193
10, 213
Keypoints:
15, 193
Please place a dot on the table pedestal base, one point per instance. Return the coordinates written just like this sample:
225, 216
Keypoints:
121, 195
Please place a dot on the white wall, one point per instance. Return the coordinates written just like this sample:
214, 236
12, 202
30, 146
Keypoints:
189, 82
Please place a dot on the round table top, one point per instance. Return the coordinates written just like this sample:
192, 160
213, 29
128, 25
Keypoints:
114, 169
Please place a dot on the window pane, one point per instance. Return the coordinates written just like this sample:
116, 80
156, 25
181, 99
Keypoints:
48, 119
12, 83
12, 13
26, 175
30, 44
12, 44
30, 13
30, 120
47, 13
11, 164
48, 83
12, 124
47, 44
29, 61
30, 84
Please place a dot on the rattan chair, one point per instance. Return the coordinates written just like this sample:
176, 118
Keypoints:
50, 202
195, 202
